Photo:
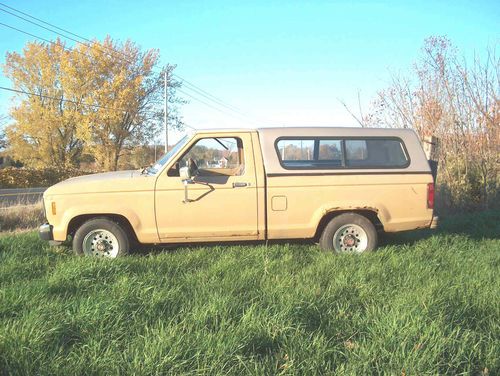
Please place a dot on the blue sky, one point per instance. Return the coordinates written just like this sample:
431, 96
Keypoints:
287, 62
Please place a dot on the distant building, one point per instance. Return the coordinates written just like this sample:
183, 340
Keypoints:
223, 162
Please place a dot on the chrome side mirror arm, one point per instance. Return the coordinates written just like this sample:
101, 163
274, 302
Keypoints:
186, 182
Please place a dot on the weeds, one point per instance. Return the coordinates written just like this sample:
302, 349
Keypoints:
21, 217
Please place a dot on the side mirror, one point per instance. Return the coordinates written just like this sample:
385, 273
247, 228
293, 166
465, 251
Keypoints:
185, 174
186, 178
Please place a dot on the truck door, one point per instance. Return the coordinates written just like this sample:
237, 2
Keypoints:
222, 202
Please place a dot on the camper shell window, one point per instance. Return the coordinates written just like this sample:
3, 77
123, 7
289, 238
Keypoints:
337, 153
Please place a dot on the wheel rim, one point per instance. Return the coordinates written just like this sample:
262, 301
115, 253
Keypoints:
100, 243
350, 238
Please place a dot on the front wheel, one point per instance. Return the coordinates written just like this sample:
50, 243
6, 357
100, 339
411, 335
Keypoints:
349, 233
101, 237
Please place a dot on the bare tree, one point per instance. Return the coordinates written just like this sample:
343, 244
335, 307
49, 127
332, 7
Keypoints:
460, 104
360, 118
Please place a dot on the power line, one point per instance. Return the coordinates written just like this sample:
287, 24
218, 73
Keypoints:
4, 120
43, 39
37, 24
189, 126
60, 99
25, 32
56, 32
208, 104
71, 49
219, 102
210, 97
205, 93
77, 103
44, 22
188, 86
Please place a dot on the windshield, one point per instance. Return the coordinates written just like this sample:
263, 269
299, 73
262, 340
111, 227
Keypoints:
163, 160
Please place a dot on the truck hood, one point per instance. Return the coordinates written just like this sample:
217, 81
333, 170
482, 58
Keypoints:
117, 181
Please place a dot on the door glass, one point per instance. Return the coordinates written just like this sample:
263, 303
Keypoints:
219, 156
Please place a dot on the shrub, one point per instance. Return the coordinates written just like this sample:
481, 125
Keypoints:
11, 177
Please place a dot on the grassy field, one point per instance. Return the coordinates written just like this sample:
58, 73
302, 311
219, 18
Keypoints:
424, 303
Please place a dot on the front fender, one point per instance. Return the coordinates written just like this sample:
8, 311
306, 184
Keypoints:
138, 211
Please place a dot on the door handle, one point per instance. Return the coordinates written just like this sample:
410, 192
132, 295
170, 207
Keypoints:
240, 185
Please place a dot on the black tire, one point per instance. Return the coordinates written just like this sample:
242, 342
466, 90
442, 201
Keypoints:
101, 224
341, 221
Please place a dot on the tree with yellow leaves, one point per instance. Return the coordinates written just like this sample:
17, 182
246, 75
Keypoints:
96, 98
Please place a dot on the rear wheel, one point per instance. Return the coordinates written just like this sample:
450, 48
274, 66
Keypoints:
101, 237
349, 233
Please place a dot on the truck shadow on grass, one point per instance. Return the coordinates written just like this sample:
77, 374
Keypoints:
146, 250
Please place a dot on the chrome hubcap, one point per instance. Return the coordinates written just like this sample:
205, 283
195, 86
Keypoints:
350, 238
100, 243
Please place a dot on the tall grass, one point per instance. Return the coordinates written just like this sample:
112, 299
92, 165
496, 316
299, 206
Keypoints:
21, 216
425, 303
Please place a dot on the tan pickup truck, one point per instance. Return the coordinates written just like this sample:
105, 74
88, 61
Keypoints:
338, 186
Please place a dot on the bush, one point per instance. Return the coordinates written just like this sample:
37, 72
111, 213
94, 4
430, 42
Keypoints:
11, 177
466, 185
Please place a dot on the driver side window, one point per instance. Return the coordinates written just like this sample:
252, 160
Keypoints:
214, 157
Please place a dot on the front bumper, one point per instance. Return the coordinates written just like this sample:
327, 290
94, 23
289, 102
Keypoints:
45, 232
434, 223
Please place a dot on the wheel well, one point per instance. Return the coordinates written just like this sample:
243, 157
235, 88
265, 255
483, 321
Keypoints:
77, 221
369, 214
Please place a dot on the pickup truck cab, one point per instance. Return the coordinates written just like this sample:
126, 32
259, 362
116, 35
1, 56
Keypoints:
339, 186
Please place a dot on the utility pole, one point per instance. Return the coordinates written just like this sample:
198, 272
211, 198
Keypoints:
165, 113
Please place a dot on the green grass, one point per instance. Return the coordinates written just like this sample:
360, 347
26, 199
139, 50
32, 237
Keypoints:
422, 304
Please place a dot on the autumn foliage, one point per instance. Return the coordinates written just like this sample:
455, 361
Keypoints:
96, 99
